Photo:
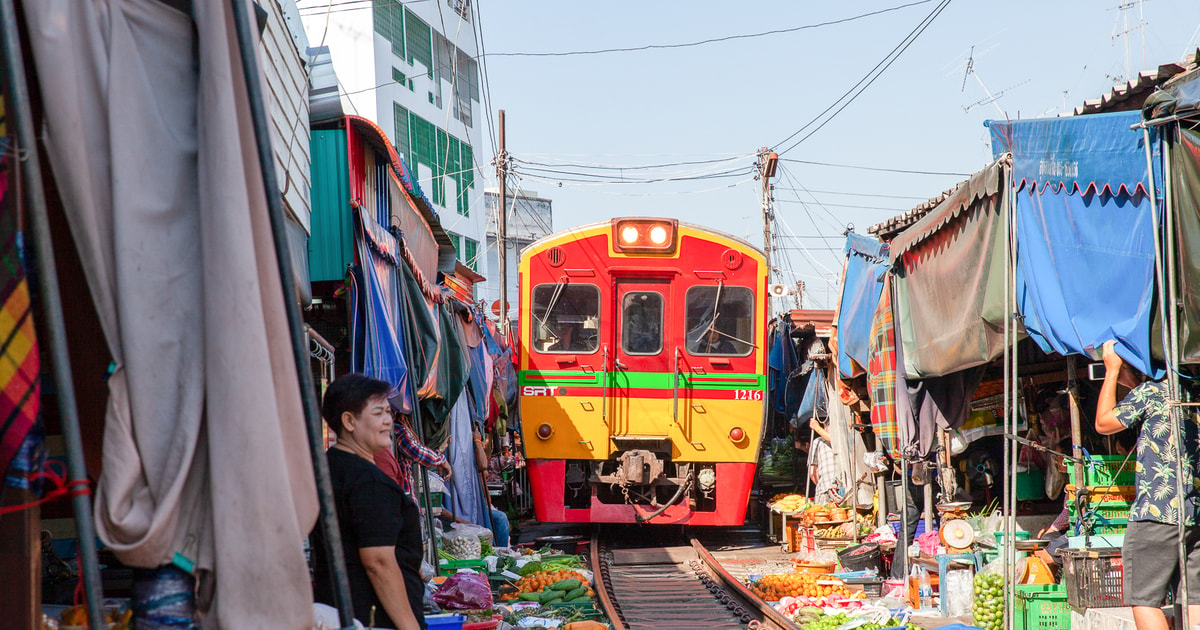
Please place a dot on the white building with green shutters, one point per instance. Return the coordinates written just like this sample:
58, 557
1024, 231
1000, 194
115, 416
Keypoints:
411, 68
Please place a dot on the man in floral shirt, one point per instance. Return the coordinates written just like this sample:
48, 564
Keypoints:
1151, 556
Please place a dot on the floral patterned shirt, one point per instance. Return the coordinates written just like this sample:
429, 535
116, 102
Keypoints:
1147, 405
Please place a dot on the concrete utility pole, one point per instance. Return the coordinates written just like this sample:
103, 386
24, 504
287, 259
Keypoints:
768, 161
502, 227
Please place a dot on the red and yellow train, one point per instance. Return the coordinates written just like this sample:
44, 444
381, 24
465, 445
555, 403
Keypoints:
642, 372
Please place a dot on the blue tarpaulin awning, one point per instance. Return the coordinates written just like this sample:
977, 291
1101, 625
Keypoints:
377, 350
1085, 237
866, 263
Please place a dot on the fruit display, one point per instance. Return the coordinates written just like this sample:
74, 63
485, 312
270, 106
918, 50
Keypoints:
988, 608
545, 587
807, 620
788, 503
779, 585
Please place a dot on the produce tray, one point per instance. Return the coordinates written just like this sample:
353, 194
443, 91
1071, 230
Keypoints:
1105, 470
1041, 607
1110, 510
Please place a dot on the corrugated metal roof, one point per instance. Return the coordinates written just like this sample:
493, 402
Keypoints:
821, 320
889, 228
1130, 95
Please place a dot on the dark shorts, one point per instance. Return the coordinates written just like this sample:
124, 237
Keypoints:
1150, 560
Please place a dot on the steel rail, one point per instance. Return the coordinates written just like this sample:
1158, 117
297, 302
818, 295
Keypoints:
771, 618
720, 584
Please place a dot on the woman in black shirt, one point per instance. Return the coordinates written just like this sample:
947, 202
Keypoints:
379, 523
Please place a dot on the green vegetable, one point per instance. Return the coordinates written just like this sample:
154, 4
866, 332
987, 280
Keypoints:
550, 595
566, 585
578, 598
572, 594
529, 568
530, 597
445, 555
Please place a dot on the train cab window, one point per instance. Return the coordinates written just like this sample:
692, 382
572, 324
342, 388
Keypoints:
720, 320
642, 322
566, 318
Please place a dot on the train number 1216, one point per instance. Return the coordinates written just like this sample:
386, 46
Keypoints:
747, 394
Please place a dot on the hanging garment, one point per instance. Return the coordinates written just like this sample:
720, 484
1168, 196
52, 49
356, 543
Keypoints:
783, 363
941, 402
18, 351
466, 492
205, 454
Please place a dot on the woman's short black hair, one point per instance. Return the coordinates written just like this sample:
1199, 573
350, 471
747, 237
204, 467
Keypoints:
350, 392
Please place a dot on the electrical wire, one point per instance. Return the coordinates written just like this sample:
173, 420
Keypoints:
710, 40
854, 194
632, 167
870, 77
875, 168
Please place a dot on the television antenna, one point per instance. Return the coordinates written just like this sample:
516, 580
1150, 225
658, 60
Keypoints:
970, 71
1124, 6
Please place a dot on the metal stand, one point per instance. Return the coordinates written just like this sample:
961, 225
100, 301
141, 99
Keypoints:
312, 414
31, 170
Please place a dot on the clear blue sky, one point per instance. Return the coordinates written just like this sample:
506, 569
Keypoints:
727, 99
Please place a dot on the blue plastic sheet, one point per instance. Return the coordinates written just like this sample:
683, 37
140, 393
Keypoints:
377, 349
866, 263
1085, 260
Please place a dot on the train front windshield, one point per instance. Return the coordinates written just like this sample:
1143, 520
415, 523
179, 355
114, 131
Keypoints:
720, 320
566, 318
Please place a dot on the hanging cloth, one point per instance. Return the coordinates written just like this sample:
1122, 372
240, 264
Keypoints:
881, 373
148, 131
19, 351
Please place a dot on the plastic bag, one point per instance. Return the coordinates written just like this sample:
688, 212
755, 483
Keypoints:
464, 591
462, 544
427, 571
483, 533
1055, 481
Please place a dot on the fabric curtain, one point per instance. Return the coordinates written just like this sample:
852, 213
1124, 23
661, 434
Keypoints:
19, 380
866, 264
447, 379
378, 351
942, 402
205, 451
950, 269
1085, 272
881, 374
1185, 192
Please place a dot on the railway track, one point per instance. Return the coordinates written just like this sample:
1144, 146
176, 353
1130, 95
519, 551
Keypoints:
674, 586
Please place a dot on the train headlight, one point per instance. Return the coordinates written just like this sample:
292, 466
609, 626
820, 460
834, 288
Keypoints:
544, 431
736, 435
644, 236
658, 235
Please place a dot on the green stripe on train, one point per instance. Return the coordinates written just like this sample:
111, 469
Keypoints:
641, 380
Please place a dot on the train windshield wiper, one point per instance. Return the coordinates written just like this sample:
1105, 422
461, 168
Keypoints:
558, 291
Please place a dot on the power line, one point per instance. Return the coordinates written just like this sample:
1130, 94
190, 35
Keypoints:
874, 73
711, 40
851, 205
853, 194
619, 167
875, 168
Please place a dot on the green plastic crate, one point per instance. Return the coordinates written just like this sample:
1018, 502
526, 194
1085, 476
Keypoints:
1105, 470
450, 567
1041, 607
1112, 510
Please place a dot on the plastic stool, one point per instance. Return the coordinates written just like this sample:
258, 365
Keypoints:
943, 561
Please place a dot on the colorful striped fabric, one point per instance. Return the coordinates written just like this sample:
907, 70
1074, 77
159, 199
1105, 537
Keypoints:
881, 373
19, 364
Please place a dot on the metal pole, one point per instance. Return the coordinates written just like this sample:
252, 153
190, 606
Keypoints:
1011, 333
502, 227
766, 208
22, 114
1173, 362
312, 415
